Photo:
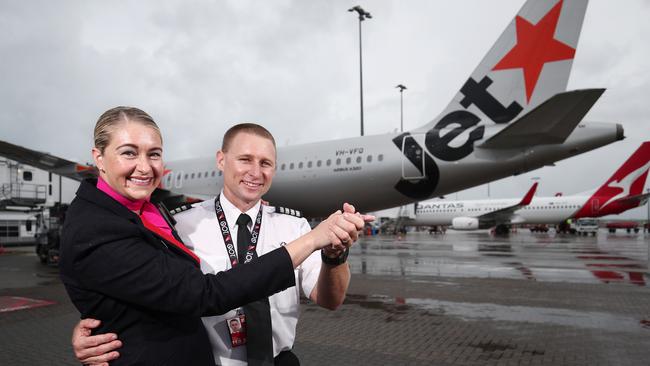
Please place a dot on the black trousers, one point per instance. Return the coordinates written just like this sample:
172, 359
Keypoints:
286, 358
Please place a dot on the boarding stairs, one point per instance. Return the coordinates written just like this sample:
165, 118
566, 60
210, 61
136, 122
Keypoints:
405, 214
22, 195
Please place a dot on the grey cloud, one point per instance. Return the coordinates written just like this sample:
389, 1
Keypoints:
291, 65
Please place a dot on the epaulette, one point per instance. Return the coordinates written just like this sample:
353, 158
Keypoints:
180, 209
288, 211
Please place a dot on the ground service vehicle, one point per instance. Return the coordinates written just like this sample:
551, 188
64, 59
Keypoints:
625, 225
586, 226
49, 233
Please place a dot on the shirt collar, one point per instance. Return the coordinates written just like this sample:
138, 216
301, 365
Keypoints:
133, 205
232, 212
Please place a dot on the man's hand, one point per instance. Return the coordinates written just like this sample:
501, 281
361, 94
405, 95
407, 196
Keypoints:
346, 229
97, 349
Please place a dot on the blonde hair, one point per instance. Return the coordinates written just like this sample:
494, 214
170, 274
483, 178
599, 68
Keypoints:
115, 116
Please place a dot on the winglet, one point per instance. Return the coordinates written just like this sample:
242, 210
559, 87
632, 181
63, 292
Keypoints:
529, 196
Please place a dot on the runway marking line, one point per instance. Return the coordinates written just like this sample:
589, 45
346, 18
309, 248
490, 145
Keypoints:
14, 303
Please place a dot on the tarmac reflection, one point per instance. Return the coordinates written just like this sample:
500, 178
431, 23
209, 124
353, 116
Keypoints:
487, 311
604, 258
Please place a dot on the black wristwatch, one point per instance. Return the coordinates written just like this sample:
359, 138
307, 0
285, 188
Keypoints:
335, 261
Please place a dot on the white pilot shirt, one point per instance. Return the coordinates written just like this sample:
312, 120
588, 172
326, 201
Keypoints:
199, 229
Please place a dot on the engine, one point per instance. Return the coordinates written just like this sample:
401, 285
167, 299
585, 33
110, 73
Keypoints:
464, 223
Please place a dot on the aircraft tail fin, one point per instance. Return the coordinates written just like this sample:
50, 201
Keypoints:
624, 189
530, 62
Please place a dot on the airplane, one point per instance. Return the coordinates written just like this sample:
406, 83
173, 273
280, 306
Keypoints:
621, 192
512, 115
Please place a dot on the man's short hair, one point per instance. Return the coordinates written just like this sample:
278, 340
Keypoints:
252, 128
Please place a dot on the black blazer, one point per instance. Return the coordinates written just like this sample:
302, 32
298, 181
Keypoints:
147, 291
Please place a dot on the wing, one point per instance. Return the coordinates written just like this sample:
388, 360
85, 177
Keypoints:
47, 162
504, 215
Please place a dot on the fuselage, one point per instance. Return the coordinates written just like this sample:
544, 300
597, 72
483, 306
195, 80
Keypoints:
377, 172
541, 210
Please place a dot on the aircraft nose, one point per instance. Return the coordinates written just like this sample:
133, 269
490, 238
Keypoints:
620, 132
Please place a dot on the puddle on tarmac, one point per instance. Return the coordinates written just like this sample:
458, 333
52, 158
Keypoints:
487, 311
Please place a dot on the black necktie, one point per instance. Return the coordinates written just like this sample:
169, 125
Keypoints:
243, 237
259, 342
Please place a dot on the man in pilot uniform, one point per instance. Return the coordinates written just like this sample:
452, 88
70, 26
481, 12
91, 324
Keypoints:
247, 160
212, 228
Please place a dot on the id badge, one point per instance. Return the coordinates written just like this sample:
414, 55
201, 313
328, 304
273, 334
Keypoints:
237, 329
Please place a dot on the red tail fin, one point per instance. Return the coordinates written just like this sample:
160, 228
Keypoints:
628, 180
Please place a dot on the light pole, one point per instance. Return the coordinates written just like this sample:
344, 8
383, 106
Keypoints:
363, 15
401, 107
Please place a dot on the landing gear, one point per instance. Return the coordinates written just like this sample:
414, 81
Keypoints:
501, 230
565, 228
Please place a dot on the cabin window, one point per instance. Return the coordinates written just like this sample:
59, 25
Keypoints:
309, 164
329, 162
369, 159
358, 159
318, 163
291, 166
380, 157
348, 160
300, 165
338, 161
27, 176
283, 166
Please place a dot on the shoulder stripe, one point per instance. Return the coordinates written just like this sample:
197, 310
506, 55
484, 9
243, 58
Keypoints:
288, 211
180, 209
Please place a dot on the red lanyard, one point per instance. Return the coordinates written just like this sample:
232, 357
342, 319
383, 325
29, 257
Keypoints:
156, 230
227, 238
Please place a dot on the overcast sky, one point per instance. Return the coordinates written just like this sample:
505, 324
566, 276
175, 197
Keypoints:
200, 66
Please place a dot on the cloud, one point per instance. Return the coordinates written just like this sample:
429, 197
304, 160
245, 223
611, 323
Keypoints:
199, 67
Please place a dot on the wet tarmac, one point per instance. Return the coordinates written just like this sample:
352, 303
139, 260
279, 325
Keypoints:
550, 257
462, 298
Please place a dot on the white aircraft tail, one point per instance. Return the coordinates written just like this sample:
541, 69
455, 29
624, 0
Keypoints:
529, 63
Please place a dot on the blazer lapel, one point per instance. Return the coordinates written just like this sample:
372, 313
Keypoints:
88, 191
173, 243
